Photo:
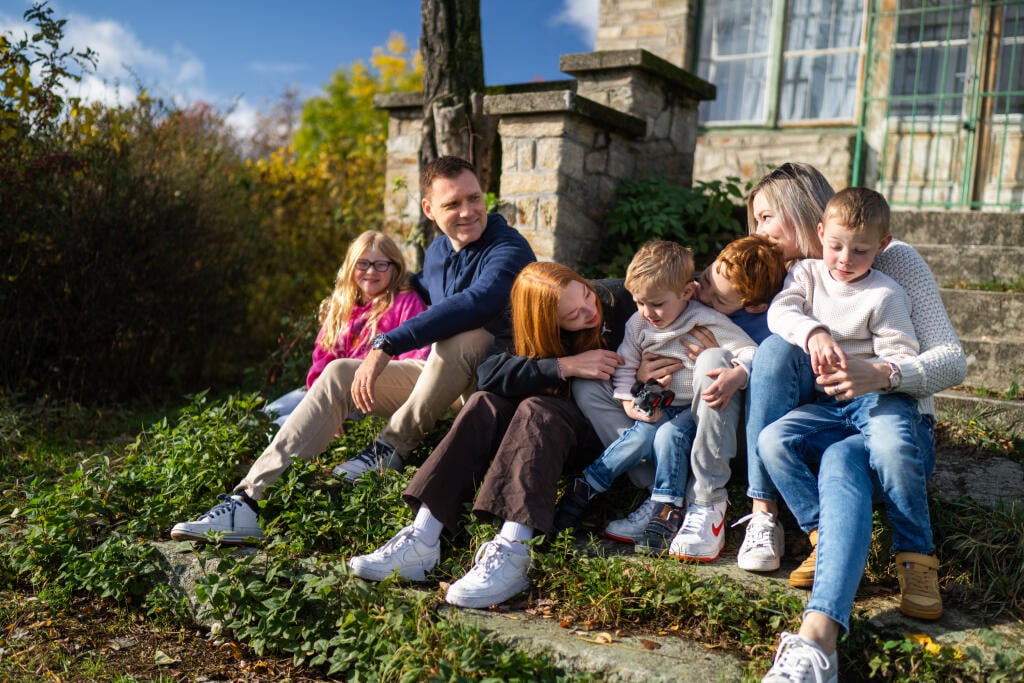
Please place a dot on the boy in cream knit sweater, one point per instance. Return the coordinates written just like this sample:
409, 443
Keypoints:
660, 278
838, 308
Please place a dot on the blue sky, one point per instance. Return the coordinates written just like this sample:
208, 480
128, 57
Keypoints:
241, 55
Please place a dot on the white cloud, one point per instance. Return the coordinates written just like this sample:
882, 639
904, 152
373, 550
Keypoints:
583, 15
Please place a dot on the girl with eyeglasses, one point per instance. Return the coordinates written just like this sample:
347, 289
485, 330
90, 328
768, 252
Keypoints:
371, 295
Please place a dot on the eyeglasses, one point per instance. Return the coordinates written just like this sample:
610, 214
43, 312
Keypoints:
363, 265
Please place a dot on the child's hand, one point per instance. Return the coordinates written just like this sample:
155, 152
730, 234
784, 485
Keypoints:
727, 382
825, 352
658, 368
639, 415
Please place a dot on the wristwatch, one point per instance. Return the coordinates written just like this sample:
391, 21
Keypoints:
895, 377
382, 343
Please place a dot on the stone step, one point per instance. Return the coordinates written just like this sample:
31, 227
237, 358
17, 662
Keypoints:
958, 403
992, 315
994, 364
959, 227
972, 263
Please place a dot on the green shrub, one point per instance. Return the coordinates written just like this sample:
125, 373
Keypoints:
704, 218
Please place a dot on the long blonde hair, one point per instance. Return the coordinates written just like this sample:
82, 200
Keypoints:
336, 309
535, 329
798, 194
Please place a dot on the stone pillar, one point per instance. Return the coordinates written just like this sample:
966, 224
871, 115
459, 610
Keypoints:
562, 158
402, 173
664, 27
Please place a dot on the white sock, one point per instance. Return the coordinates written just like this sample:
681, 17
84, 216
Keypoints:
517, 533
427, 526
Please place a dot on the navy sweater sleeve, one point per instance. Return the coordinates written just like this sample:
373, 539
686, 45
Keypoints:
468, 288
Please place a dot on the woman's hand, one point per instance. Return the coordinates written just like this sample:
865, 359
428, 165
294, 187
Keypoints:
595, 364
859, 377
658, 368
705, 340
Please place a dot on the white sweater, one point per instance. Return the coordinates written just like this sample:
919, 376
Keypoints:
641, 337
941, 362
869, 319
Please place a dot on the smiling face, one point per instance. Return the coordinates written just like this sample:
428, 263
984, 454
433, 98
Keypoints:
769, 222
457, 206
577, 308
848, 254
371, 282
660, 307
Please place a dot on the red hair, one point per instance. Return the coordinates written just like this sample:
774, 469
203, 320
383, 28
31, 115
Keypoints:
535, 329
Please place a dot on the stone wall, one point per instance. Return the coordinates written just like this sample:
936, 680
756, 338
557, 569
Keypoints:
749, 154
664, 27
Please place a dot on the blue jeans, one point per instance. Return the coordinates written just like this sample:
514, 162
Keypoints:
874, 445
669, 440
780, 380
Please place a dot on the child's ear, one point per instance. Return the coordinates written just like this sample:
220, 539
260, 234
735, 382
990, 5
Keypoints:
690, 291
821, 231
884, 243
759, 308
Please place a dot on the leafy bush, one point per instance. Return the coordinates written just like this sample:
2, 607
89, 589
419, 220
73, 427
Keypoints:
704, 218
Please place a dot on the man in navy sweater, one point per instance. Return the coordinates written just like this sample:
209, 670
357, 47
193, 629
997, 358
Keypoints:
467, 275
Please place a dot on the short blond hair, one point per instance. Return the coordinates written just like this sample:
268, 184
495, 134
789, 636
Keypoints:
660, 264
860, 210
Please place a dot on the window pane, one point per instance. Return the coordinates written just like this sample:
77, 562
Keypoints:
824, 24
936, 21
1011, 62
932, 79
819, 87
741, 92
733, 55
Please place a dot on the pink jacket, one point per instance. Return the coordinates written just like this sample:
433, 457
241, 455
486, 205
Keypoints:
350, 344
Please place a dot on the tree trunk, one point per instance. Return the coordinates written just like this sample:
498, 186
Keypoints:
453, 93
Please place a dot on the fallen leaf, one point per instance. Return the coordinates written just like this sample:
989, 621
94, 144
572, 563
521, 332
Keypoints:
161, 658
650, 644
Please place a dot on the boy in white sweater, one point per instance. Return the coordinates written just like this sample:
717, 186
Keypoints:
660, 278
838, 308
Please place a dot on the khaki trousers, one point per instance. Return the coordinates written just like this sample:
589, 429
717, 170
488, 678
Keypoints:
411, 394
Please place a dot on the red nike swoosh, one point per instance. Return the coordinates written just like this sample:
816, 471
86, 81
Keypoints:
716, 530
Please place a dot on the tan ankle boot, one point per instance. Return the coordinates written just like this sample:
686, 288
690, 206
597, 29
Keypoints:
803, 576
919, 585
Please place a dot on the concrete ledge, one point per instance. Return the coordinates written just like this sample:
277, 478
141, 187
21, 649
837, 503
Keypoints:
586, 63
957, 402
568, 102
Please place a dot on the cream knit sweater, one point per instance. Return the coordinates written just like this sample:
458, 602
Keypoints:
641, 337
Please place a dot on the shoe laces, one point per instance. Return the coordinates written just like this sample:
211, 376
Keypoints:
373, 453
918, 579
759, 532
226, 506
796, 657
401, 540
642, 513
489, 558
695, 520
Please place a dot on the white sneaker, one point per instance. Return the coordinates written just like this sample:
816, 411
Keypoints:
799, 660
233, 521
498, 573
630, 528
702, 535
377, 455
405, 552
763, 543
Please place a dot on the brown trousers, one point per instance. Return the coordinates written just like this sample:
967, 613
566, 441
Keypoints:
514, 451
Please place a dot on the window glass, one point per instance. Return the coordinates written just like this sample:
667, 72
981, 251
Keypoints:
1010, 76
929, 73
734, 51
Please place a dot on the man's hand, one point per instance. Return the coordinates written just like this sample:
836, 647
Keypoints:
366, 375
658, 368
595, 364
705, 340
